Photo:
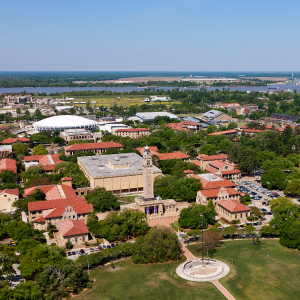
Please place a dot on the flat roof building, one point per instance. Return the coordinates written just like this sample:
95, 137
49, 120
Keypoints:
150, 116
5, 150
133, 133
115, 172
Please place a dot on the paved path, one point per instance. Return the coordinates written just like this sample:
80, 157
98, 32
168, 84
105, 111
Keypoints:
223, 290
189, 255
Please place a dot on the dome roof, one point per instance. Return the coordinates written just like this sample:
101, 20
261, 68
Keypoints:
64, 122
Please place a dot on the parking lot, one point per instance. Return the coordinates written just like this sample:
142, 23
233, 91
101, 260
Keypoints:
260, 197
75, 253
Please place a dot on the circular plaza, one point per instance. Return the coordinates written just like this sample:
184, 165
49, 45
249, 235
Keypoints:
206, 270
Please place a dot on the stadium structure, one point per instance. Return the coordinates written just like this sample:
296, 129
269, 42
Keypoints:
65, 122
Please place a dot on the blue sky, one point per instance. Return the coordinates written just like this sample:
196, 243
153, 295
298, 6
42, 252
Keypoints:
165, 35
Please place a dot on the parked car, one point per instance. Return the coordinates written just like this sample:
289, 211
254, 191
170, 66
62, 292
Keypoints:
73, 253
108, 246
69, 253
112, 245
91, 249
82, 251
104, 247
96, 249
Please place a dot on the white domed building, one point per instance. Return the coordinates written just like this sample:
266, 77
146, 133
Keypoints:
65, 122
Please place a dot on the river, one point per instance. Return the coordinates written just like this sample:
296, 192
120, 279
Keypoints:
49, 90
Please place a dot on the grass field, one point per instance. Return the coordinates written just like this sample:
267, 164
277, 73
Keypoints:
265, 272
146, 282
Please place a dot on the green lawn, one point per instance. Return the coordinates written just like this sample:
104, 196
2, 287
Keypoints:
146, 282
127, 199
267, 272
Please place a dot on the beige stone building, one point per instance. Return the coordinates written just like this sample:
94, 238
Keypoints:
41, 213
5, 150
133, 133
203, 160
80, 134
74, 231
233, 210
7, 198
116, 172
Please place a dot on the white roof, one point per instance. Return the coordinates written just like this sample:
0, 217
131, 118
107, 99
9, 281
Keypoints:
150, 116
64, 122
210, 177
212, 114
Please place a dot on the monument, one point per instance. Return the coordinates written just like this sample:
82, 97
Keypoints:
149, 203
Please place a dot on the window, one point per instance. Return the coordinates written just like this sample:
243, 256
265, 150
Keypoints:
75, 240
9, 200
73, 216
69, 240
83, 238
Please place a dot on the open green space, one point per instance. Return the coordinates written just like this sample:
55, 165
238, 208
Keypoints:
148, 282
267, 271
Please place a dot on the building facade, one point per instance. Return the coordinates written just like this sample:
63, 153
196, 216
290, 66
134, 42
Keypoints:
7, 199
133, 133
5, 150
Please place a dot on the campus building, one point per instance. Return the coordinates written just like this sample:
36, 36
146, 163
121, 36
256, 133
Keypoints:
8, 164
16, 140
48, 162
217, 116
165, 156
97, 148
80, 134
133, 133
116, 172
7, 199
233, 210
203, 160
5, 150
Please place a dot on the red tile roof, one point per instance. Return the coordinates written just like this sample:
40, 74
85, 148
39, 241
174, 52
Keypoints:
8, 164
233, 206
55, 208
188, 171
224, 132
173, 155
213, 193
73, 227
235, 171
218, 164
211, 170
39, 220
47, 161
207, 185
132, 130
14, 140
52, 191
153, 150
14, 192
66, 179
252, 130
197, 162
212, 157
92, 146
164, 156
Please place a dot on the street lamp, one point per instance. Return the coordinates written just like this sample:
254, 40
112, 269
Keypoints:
201, 215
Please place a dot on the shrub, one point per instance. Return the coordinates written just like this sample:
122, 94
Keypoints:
69, 245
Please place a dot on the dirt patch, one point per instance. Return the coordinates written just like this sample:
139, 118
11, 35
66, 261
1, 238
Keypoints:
111, 269
164, 276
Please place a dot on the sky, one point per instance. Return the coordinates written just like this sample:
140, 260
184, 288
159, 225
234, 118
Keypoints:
156, 35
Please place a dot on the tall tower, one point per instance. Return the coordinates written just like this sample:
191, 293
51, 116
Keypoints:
147, 174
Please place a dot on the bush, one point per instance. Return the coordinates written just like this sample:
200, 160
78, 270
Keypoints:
250, 218
51, 235
68, 245
236, 221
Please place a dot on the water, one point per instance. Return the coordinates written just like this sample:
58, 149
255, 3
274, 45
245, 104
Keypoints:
49, 90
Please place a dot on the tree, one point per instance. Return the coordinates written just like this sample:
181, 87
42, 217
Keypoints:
268, 230
190, 217
119, 225
40, 150
185, 189
211, 240
102, 200
7, 259
293, 188
57, 280
20, 148
160, 244
8, 176
274, 179
163, 186
35, 259
245, 199
230, 230
208, 149
283, 208
256, 211
211, 129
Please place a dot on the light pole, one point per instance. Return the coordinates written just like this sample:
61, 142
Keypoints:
103, 108
201, 215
